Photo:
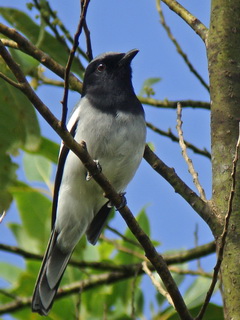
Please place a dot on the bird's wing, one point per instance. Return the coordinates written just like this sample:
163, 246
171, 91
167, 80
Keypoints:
72, 125
98, 223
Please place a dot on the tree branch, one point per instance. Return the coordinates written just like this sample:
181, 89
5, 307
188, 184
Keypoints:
190, 19
27, 47
166, 104
117, 273
201, 207
189, 162
178, 47
174, 138
84, 6
176, 258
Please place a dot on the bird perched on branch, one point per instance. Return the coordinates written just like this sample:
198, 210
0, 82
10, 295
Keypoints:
110, 119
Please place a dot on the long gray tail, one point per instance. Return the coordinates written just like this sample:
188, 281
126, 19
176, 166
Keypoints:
51, 272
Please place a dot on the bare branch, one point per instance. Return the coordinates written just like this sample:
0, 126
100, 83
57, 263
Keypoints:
2, 216
166, 104
178, 47
157, 283
191, 169
179, 257
201, 207
84, 6
222, 240
174, 138
190, 19
124, 238
120, 247
27, 47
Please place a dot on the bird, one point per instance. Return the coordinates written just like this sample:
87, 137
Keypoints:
110, 119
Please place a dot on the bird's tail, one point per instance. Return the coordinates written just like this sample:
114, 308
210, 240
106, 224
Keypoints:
51, 272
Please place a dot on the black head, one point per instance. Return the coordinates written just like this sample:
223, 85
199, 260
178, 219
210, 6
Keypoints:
107, 82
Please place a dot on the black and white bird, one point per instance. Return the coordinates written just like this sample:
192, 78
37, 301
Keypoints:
110, 119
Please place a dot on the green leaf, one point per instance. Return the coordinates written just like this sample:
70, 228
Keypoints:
19, 126
48, 43
27, 63
10, 272
7, 177
147, 87
18, 129
196, 293
48, 149
213, 312
37, 168
34, 209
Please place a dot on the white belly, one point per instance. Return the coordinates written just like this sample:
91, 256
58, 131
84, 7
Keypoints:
118, 144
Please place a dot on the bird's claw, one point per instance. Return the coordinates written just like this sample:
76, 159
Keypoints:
122, 204
89, 176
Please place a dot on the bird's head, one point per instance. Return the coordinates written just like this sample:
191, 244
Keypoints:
109, 73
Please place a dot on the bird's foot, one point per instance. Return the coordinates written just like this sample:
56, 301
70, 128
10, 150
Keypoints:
122, 204
89, 176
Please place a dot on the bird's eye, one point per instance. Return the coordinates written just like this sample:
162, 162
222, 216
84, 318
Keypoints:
101, 67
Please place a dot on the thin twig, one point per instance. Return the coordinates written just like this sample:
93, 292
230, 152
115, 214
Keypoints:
122, 248
2, 216
123, 237
178, 47
191, 169
190, 19
222, 240
201, 207
84, 7
174, 138
157, 284
167, 104
9, 80
27, 47
87, 36
134, 287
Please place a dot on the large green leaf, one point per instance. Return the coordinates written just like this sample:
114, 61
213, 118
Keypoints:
213, 312
18, 129
7, 178
45, 41
37, 168
10, 272
35, 212
47, 149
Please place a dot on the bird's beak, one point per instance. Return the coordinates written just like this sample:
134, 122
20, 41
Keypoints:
127, 58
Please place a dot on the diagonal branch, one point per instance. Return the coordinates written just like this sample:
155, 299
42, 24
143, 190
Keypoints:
84, 6
27, 47
81, 151
190, 19
189, 162
201, 207
174, 138
178, 47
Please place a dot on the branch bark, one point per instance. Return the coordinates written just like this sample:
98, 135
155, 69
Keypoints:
224, 59
204, 209
190, 19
